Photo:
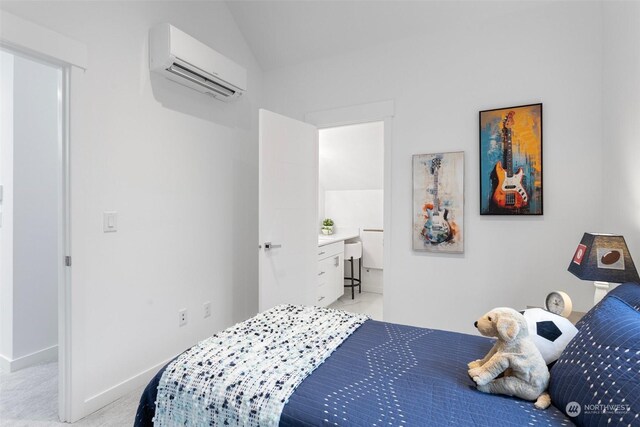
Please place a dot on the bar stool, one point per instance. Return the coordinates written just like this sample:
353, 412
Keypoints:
353, 251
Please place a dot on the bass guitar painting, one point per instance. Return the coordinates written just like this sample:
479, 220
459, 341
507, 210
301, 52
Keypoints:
436, 229
438, 201
509, 192
511, 161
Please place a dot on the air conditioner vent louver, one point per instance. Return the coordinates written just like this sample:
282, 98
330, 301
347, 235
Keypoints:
185, 60
206, 83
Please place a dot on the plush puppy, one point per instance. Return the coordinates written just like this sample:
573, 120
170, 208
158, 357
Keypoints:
525, 375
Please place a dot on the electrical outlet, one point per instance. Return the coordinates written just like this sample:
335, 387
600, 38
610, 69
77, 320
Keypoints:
182, 317
207, 309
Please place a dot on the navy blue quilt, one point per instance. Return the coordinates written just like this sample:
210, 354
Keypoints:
395, 375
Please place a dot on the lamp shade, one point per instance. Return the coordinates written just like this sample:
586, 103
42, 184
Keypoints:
603, 257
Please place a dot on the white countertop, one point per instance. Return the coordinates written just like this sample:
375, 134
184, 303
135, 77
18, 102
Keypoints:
336, 237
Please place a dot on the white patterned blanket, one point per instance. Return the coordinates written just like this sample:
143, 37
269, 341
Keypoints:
245, 375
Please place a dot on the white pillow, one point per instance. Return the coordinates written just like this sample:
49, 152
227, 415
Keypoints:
550, 333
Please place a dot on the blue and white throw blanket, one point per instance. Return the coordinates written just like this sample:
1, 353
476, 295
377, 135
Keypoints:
246, 374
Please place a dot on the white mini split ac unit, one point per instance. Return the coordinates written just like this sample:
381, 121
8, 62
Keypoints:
185, 60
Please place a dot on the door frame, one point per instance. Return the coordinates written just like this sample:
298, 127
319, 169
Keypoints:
31, 40
382, 111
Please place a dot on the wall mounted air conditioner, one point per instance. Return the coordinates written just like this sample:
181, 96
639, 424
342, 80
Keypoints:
181, 58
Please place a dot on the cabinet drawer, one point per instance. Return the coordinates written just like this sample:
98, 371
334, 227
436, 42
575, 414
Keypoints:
330, 250
324, 295
326, 268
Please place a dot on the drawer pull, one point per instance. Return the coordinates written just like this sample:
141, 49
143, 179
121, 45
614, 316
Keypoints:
320, 299
321, 273
321, 253
336, 261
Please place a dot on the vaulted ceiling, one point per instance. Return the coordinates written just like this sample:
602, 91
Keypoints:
283, 33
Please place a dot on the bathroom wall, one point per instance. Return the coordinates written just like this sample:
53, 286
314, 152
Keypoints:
351, 172
351, 179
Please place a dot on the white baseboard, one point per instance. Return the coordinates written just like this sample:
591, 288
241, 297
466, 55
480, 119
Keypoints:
376, 289
42, 356
5, 363
372, 280
112, 394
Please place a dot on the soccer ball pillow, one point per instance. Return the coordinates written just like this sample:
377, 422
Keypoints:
550, 333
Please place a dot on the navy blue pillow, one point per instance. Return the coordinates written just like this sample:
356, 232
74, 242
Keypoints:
628, 292
596, 380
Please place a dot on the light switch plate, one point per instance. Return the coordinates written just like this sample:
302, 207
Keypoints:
110, 221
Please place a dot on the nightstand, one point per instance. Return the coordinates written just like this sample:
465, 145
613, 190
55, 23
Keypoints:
575, 316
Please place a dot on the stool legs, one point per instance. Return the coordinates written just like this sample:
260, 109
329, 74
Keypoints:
359, 275
355, 282
353, 295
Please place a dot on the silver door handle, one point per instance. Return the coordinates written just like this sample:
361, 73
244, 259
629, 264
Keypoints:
336, 261
269, 245
321, 273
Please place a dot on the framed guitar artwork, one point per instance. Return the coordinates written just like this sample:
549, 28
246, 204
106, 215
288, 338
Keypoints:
438, 202
511, 161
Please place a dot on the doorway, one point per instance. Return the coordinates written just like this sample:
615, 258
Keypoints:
351, 196
32, 232
380, 111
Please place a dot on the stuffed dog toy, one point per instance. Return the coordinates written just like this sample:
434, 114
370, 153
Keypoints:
515, 355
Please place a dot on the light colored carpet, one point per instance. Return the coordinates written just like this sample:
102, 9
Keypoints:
29, 397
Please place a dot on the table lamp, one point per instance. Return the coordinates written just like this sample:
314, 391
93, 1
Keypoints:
603, 258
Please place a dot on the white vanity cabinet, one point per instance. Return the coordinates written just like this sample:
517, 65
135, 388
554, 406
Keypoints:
330, 273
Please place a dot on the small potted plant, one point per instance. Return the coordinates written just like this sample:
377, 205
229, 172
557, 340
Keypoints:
327, 226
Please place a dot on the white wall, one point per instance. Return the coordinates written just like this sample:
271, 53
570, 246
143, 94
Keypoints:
352, 157
6, 210
29, 256
180, 169
475, 57
351, 166
355, 209
36, 134
621, 127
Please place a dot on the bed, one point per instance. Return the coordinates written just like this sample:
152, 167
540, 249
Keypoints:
396, 375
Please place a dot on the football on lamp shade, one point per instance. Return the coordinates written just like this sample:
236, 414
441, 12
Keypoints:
550, 333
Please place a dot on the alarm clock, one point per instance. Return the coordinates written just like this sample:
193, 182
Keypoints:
558, 302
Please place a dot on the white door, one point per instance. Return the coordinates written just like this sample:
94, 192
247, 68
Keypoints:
288, 211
